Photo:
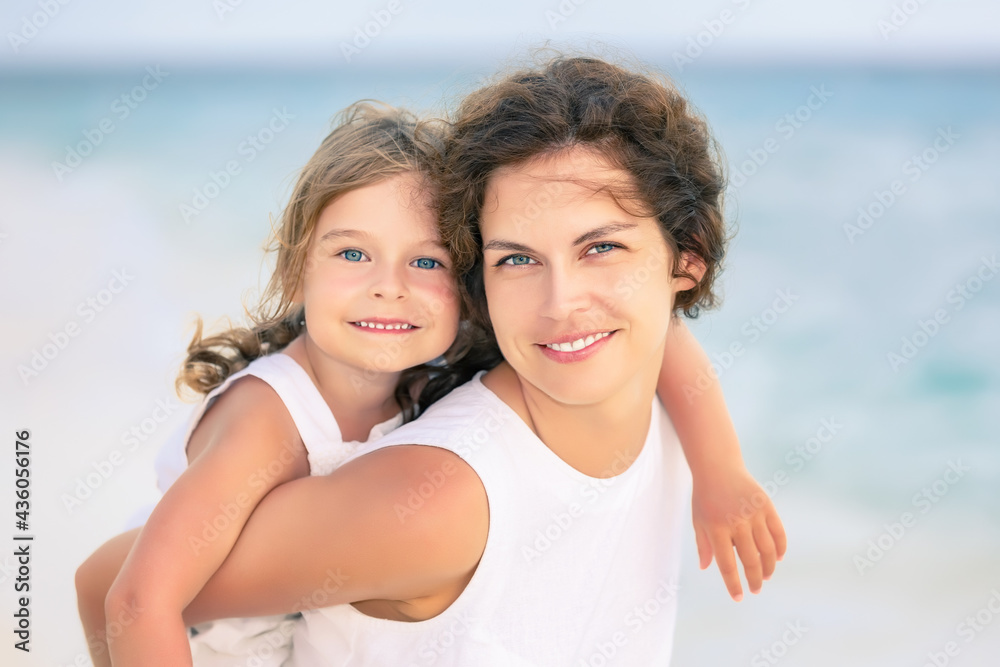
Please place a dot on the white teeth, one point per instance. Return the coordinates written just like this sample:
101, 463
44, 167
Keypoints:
379, 325
579, 343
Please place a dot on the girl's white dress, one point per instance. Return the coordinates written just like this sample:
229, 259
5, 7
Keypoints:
264, 641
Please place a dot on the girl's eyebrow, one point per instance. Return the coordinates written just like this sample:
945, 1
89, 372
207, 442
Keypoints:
366, 235
603, 230
346, 233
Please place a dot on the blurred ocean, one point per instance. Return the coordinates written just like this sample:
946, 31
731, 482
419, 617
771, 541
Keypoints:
857, 341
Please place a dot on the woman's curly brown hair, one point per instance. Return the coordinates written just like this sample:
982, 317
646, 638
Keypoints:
639, 122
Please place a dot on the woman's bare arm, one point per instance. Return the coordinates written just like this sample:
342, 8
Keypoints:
354, 535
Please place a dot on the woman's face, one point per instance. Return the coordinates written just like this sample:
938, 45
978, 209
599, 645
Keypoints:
579, 290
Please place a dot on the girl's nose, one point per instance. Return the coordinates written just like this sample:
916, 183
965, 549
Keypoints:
390, 284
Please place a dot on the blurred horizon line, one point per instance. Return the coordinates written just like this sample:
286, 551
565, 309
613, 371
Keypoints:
333, 65
677, 54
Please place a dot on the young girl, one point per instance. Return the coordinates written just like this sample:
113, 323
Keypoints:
361, 300
364, 301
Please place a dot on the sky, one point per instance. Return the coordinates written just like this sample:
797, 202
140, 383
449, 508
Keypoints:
378, 33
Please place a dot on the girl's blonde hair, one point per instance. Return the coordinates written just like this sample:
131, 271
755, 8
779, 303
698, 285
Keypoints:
369, 143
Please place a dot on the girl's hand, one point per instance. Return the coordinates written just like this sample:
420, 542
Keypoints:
730, 509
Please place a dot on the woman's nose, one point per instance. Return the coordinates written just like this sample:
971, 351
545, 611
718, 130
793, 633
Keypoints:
564, 294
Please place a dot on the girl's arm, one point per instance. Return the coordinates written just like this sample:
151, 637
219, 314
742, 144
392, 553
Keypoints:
93, 581
248, 444
730, 509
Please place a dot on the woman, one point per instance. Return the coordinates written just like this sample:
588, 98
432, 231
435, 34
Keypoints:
532, 516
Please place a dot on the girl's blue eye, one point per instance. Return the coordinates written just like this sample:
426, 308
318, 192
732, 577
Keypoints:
353, 255
602, 247
517, 260
426, 263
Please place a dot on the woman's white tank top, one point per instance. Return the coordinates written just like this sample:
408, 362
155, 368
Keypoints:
577, 571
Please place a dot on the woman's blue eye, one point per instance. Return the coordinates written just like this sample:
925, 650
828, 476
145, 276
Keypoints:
353, 255
517, 260
603, 247
427, 263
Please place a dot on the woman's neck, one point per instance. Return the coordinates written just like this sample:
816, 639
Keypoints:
600, 440
358, 399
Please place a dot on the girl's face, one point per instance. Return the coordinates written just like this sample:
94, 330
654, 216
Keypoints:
579, 290
378, 292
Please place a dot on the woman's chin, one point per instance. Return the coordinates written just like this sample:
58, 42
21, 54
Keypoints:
579, 386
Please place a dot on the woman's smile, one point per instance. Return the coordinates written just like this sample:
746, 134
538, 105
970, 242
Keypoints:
575, 347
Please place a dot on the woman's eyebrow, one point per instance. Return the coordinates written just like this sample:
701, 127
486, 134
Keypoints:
604, 230
500, 244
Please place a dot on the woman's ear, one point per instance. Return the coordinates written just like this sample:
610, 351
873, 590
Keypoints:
689, 265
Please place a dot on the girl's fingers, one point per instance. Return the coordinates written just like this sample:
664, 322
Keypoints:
765, 547
723, 547
747, 550
777, 530
704, 547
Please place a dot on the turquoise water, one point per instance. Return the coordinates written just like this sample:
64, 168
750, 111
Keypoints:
919, 267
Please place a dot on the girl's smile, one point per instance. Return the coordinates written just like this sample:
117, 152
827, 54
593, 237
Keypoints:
374, 324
